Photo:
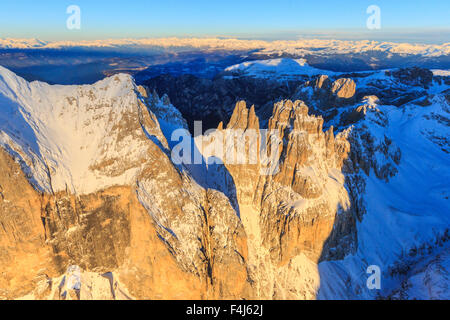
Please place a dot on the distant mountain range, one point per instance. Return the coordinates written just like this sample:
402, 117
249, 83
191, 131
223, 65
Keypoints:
85, 62
293, 47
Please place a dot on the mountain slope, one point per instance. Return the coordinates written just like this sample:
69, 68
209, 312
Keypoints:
80, 138
404, 165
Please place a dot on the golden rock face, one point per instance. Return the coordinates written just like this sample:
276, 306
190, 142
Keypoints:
22, 237
111, 231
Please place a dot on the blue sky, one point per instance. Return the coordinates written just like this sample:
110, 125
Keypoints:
264, 19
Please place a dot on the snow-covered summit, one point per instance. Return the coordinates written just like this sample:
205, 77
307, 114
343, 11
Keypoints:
77, 138
282, 68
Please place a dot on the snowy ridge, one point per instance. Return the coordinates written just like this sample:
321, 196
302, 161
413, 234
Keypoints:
296, 69
405, 213
285, 69
76, 138
443, 73
298, 47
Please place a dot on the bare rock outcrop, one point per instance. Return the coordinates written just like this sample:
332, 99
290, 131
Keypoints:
343, 90
299, 203
291, 194
323, 94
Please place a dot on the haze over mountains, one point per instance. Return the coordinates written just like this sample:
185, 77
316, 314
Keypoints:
94, 205
293, 46
85, 62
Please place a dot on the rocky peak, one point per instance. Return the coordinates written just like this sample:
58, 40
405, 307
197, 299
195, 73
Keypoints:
359, 111
285, 113
323, 94
168, 117
343, 88
298, 200
243, 118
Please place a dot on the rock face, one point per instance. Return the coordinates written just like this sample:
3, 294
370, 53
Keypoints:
288, 210
343, 89
146, 220
22, 237
111, 231
324, 94
301, 201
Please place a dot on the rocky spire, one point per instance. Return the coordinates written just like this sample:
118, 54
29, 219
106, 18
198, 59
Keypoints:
243, 118
305, 159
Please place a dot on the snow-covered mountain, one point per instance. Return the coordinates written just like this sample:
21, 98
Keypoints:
297, 47
282, 69
93, 205
72, 137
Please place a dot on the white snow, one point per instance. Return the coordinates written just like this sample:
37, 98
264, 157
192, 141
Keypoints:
82, 284
429, 279
409, 211
438, 72
276, 68
72, 137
